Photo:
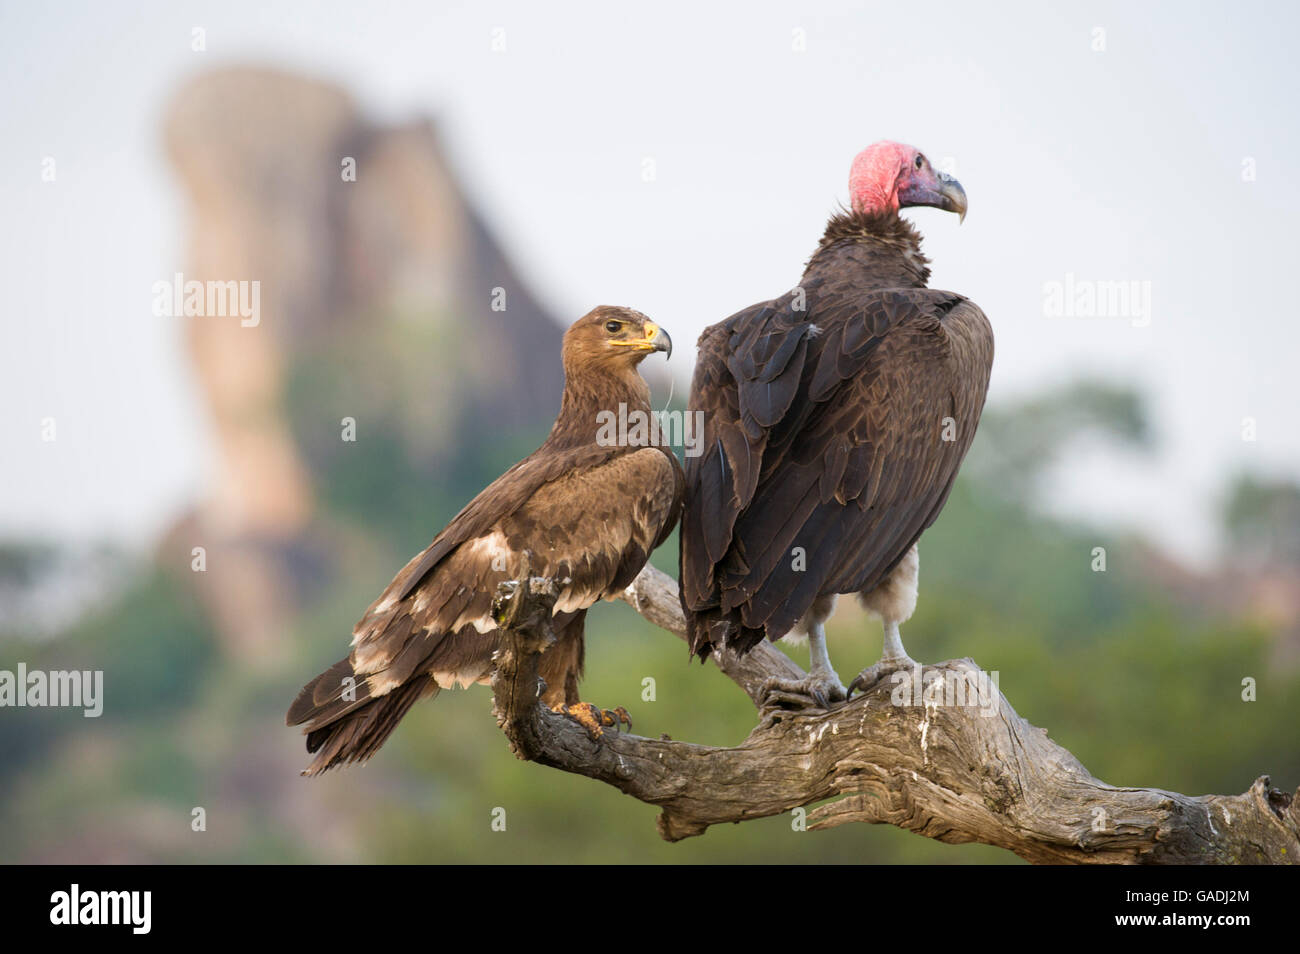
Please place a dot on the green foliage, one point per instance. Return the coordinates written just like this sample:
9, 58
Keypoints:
1262, 518
1144, 690
1017, 445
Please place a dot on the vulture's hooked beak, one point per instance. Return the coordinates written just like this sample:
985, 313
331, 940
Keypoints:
954, 196
938, 190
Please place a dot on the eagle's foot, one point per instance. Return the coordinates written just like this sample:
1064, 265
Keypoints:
886, 666
617, 717
814, 691
594, 719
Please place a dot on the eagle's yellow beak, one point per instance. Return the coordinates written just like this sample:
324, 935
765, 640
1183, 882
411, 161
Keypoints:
655, 339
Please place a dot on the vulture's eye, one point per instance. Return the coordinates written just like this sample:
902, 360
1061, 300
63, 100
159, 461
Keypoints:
613, 326
920, 160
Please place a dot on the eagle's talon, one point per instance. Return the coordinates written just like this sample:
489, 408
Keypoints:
595, 719
586, 715
619, 717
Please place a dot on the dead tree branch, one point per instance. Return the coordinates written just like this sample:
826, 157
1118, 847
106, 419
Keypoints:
957, 773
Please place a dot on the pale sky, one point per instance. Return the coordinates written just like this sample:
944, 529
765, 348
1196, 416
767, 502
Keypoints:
1115, 164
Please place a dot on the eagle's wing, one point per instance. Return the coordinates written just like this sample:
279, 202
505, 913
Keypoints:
836, 432
496, 501
591, 522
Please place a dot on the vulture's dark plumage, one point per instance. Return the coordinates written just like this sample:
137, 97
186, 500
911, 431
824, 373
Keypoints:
578, 509
836, 417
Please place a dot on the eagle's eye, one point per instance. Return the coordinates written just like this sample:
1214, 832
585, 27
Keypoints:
613, 326
920, 160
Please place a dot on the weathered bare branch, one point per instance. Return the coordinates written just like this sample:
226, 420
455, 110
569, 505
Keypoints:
653, 594
956, 773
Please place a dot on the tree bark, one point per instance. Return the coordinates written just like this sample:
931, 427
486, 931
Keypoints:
916, 754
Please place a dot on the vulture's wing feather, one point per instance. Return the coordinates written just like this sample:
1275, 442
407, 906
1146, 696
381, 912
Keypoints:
747, 375
850, 465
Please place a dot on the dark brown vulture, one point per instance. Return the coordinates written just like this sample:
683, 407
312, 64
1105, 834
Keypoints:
581, 509
835, 418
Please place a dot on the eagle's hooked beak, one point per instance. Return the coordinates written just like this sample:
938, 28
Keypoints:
654, 339
658, 339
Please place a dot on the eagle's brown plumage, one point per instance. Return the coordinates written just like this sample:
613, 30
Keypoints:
579, 512
825, 416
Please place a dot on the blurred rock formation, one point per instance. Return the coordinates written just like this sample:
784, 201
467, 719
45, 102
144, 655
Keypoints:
376, 304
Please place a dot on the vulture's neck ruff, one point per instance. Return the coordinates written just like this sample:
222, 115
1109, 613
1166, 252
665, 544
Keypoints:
884, 243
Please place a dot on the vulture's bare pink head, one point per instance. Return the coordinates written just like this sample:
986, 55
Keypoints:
888, 176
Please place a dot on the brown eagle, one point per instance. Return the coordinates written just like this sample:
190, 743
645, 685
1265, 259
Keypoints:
835, 418
581, 509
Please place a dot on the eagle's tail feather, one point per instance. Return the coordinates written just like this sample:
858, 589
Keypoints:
351, 726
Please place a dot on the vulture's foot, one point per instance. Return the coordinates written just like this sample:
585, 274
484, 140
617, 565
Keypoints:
815, 691
595, 719
886, 666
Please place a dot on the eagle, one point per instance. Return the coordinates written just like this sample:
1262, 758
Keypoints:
835, 419
584, 509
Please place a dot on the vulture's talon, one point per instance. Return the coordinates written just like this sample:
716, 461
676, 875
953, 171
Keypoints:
811, 692
774, 700
878, 671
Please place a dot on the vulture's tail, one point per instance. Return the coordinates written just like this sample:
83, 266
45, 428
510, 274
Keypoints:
344, 723
710, 629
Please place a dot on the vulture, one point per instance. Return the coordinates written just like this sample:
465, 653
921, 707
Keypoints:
582, 509
835, 419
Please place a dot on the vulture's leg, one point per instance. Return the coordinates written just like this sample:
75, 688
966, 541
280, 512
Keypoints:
821, 671
891, 660
822, 685
894, 644
893, 601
